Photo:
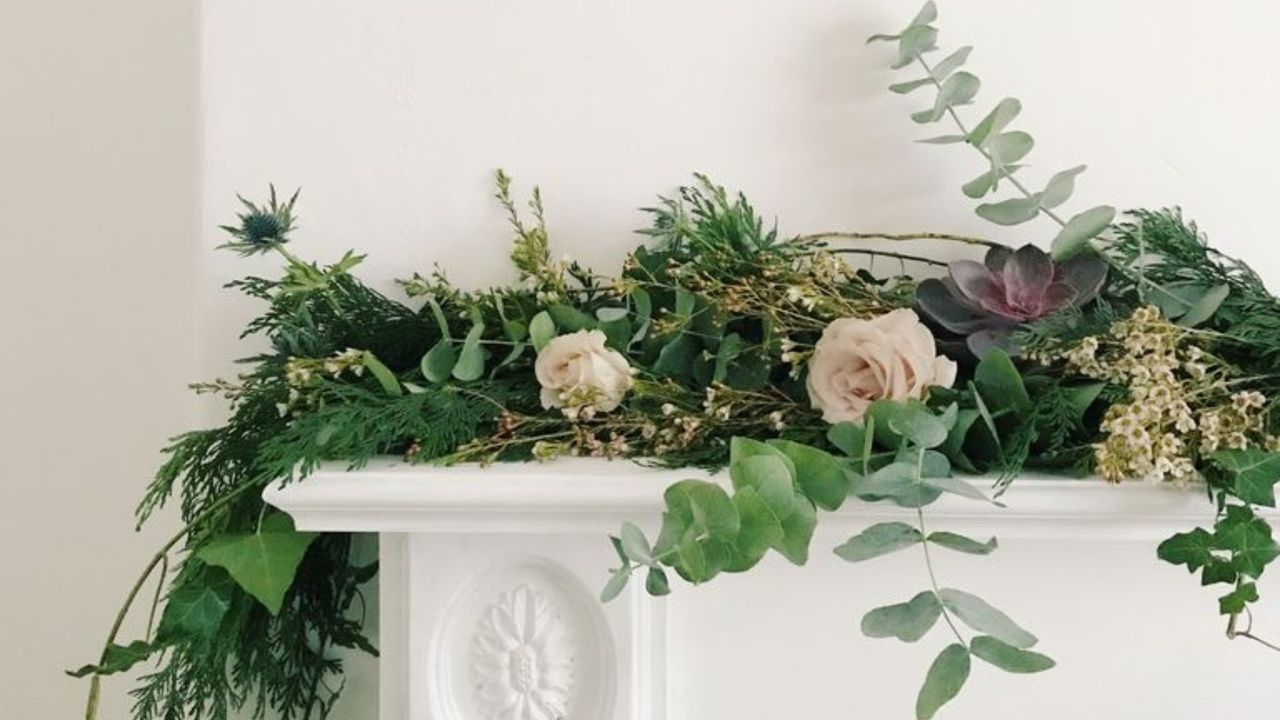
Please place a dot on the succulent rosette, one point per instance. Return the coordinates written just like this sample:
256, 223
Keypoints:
985, 302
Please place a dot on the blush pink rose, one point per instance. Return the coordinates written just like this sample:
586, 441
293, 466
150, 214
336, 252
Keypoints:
857, 362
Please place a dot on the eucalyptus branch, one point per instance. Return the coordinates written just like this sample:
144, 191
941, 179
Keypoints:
928, 559
901, 237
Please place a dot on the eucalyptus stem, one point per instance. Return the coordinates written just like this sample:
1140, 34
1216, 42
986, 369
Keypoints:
896, 256
1005, 173
161, 556
928, 558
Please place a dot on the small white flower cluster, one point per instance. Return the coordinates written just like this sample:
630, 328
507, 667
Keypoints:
1180, 405
301, 373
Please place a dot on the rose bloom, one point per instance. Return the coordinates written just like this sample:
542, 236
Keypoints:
578, 370
857, 362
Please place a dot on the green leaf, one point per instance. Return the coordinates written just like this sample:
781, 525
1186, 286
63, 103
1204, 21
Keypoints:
960, 543
995, 122
542, 330
382, 374
946, 676
818, 473
979, 615
1079, 230
705, 506
759, 530
264, 563
617, 583
438, 363
908, 621
644, 314
849, 438
959, 89
879, 539
903, 88
1234, 602
1000, 383
1007, 148
896, 481
570, 318
1193, 549
1254, 471
117, 659
797, 530
1060, 187
917, 424
470, 365
656, 583
1007, 657
914, 42
959, 486
441, 321
635, 545
927, 14
943, 140
982, 185
1205, 307
948, 65
1248, 538
1013, 211
195, 609
728, 351
676, 357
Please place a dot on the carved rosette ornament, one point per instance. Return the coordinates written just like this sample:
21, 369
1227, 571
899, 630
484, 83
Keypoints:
523, 659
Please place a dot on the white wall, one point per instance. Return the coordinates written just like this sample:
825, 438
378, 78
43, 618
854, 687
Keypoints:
98, 224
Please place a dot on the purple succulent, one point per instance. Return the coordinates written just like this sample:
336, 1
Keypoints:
986, 301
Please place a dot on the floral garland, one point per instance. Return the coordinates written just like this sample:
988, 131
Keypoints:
1132, 350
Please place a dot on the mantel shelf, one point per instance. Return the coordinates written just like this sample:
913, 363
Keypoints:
580, 494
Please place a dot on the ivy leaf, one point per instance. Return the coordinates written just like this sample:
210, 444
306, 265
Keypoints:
1009, 658
1218, 571
1255, 473
117, 659
1234, 602
1013, 211
960, 543
438, 363
908, 621
879, 539
542, 330
977, 614
470, 365
1060, 187
382, 374
1079, 230
946, 676
818, 474
264, 563
1193, 549
1248, 538
196, 608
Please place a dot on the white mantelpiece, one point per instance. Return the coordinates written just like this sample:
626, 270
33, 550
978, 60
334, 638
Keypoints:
489, 580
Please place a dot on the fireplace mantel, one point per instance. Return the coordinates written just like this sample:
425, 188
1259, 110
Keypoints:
478, 560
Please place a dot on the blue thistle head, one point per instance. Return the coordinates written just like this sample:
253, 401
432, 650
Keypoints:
262, 227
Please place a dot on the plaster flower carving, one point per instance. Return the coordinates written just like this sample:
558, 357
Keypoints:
523, 662
857, 362
578, 371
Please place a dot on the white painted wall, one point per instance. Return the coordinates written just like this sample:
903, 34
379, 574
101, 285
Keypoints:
98, 225
393, 114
